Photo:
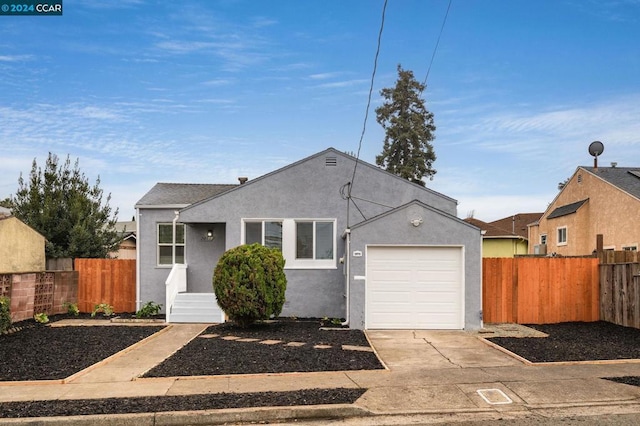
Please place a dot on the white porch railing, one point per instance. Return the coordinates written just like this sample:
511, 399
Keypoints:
176, 283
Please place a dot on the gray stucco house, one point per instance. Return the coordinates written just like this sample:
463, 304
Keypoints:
389, 254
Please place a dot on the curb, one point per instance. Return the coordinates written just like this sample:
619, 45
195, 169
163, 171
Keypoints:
204, 417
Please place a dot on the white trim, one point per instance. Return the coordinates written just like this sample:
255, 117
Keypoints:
289, 242
462, 295
173, 245
566, 236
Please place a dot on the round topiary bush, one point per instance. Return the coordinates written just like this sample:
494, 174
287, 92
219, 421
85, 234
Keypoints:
249, 283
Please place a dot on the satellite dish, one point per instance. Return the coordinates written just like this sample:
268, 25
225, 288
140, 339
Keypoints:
596, 148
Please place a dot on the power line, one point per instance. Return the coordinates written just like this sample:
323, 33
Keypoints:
366, 114
435, 49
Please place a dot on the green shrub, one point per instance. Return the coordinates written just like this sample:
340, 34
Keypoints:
72, 308
250, 283
149, 309
105, 308
41, 317
5, 314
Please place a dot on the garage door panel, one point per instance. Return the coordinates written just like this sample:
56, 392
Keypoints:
414, 287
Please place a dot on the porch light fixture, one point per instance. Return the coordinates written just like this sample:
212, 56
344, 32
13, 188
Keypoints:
209, 235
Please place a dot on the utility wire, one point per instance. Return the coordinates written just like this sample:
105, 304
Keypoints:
366, 114
435, 49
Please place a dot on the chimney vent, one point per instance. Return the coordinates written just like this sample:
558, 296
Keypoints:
243, 180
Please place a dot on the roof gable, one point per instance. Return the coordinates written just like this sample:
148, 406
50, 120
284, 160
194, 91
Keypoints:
625, 178
517, 224
332, 156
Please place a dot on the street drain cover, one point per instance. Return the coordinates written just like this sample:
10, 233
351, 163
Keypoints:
494, 396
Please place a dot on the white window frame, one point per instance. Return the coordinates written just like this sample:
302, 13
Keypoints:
263, 222
630, 247
289, 242
566, 235
543, 239
172, 244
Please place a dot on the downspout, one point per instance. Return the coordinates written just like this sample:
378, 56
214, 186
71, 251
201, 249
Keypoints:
347, 234
173, 248
137, 260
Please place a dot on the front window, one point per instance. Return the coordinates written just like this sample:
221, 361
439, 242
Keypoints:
269, 234
314, 240
165, 243
562, 236
305, 243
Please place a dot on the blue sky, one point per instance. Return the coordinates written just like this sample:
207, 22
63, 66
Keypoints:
206, 91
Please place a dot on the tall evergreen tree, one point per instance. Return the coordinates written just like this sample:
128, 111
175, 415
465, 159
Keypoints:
409, 130
60, 203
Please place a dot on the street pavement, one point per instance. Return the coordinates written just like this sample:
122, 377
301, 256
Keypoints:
430, 377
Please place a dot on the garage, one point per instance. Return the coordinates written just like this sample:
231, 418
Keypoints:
414, 287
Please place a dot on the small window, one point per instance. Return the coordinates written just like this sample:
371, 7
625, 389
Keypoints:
269, 234
630, 248
562, 236
165, 243
314, 240
543, 239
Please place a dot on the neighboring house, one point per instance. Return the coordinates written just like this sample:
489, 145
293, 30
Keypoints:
505, 237
602, 200
21, 247
128, 239
395, 256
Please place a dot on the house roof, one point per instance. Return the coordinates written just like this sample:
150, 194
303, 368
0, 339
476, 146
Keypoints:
4, 212
517, 223
181, 194
514, 226
360, 162
625, 178
566, 209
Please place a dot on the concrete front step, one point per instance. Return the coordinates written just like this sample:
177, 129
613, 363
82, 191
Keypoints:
196, 308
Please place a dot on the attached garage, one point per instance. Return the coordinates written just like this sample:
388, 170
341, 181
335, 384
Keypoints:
414, 287
414, 267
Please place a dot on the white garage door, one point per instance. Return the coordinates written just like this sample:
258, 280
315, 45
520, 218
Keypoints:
414, 288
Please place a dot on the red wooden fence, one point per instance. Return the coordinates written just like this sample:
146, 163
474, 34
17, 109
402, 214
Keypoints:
111, 281
540, 290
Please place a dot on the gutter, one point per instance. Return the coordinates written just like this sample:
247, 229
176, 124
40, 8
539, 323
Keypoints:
347, 235
173, 251
137, 260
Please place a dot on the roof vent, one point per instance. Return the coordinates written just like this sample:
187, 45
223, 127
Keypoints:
331, 161
614, 164
243, 180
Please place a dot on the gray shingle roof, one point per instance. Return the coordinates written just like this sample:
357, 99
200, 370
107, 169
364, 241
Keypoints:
566, 209
170, 194
625, 178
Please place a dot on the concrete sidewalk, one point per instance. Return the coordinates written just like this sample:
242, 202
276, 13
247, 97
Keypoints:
448, 375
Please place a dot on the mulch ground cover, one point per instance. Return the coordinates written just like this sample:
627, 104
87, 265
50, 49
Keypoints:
70, 349
576, 341
272, 347
33, 351
178, 403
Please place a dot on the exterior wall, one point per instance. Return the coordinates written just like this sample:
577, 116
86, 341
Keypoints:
202, 255
21, 248
609, 211
437, 229
503, 247
151, 277
309, 189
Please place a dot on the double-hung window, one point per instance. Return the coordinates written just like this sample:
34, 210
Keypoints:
562, 236
305, 243
166, 244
